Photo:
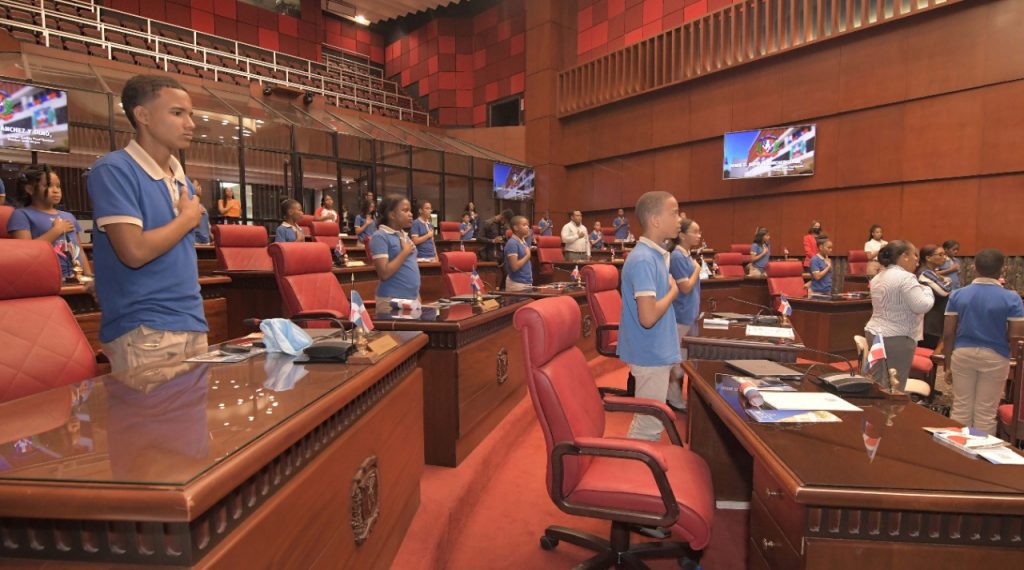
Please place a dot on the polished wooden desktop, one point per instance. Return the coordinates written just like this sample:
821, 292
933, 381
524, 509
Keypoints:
265, 463
874, 491
215, 305
206, 257
473, 371
586, 342
713, 343
829, 323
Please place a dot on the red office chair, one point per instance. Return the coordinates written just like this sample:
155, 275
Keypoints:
730, 264
308, 287
549, 252
326, 233
43, 346
451, 231
608, 235
1011, 415
786, 278
602, 281
241, 248
5, 216
857, 262
743, 248
536, 230
456, 267
306, 223
628, 482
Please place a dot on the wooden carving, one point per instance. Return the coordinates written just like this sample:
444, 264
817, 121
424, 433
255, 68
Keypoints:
365, 499
502, 375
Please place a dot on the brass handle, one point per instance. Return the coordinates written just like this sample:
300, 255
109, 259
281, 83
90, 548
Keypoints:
773, 493
767, 544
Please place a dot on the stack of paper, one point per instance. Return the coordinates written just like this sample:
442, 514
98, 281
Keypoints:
969, 441
810, 401
771, 332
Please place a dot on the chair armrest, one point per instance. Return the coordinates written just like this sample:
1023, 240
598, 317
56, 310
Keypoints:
601, 349
620, 449
937, 358
659, 410
335, 317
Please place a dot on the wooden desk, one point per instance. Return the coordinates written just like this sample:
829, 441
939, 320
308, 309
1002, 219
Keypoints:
205, 466
473, 373
587, 341
755, 290
472, 245
829, 324
215, 305
821, 498
733, 343
853, 283
254, 294
206, 257
715, 293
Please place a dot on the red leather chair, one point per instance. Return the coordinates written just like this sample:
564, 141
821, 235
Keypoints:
451, 231
549, 252
786, 277
730, 264
241, 248
456, 267
628, 482
308, 287
1011, 415
608, 235
326, 233
5, 215
743, 248
43, 346
857, 262
602, 282
306, 223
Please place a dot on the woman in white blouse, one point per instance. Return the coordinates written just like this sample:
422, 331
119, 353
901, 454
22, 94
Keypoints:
871, 247
898, 305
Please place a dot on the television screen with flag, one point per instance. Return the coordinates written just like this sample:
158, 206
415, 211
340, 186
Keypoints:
513, 182
769, 153
33, 118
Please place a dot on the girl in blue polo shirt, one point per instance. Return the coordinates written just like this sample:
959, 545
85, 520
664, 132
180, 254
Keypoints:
365, 223
686, 306
394, 253
621, 225
40, 219
423, 234
466, 229
951, 268
289, 230
596, 238
760, 253
544, 224
517, 257
821, 268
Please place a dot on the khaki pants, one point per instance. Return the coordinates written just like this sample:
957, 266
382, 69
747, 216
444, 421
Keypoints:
755, 272
575, 256
676, 395
979, 377
145, 347
652, 383
511, 285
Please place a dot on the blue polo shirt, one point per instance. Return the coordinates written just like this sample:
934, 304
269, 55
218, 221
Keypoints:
404, 283
38, 223
823, 285
762, 263
370, 229
286, 233
466, 231
545, 227
982, 310
426, 249
524, 274
164, 293
594, 243
686, 306
202, 231
621, 228
954, 277
646, 273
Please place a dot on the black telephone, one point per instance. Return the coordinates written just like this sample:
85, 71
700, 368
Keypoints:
329, 351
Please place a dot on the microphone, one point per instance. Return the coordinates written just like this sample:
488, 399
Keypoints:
844, 382
760, 308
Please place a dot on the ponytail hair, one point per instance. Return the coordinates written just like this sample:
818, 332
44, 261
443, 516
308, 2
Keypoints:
29, 179
684, 226
892, 251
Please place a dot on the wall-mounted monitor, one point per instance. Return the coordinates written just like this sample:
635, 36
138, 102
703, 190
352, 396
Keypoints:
769, 153
513, 182
33, 117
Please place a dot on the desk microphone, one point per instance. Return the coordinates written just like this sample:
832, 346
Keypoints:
760, 308
842, 382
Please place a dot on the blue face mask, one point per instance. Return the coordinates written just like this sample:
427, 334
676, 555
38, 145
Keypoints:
282, 335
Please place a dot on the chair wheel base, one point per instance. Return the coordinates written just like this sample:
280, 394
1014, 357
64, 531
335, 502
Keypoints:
618, 552
548, 543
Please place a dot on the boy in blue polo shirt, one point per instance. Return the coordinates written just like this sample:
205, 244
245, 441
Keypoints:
145, 209
423, 234
980, 320
648, 340
289, 230
466, 228
621, 225
821, 268
394, 254
517, 257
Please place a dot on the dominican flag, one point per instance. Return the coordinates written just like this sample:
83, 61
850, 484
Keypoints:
872, 438
784, 307
575, 273
340, 249
462, 246
358, 313
876, 352
475, 282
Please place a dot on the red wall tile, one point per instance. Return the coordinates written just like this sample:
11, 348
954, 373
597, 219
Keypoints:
269, 39
202, 21
226, 8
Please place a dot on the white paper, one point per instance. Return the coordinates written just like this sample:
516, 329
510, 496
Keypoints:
816, 401
1001, 456
771, 332
716, 323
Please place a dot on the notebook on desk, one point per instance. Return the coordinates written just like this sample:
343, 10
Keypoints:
763, 368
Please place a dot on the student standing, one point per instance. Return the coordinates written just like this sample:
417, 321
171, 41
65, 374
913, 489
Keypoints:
40, 219
518, 270
874, 244
466, 228
760, 253
951, 268
811, 242
394, 254
545, 224
365, 224
230, 208
933, 257
686, 306
423, 234
596, 238
202, 231
648, 340
621, 225
289, 229
980, 320
821, 268
326, 212
147, 278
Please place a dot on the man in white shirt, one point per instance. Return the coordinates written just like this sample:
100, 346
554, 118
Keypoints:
574, 237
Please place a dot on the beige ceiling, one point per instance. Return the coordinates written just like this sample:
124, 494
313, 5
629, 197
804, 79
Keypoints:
378, 10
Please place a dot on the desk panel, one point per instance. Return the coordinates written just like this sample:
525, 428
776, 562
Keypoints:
830, 325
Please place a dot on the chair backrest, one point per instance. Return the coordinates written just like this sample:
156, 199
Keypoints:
1016, 429
602, 281
456, 267
241, 247
326, 233
5, 215
303, 274
608, 234
451, 230
730, 264
743, 248
564, 395
549, 251
857, 262
43, 346
306, 223
786, 278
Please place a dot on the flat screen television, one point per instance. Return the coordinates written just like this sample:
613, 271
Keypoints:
769, 153
33, 117
513, 182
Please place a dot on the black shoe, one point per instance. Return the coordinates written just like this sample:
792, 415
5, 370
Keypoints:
651, 531
681, 409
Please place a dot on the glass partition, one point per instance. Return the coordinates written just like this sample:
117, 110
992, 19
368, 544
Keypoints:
318, 177
456, 195
426, 186
392, 181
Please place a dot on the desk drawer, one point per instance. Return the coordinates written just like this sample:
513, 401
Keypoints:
790, 516
768, 541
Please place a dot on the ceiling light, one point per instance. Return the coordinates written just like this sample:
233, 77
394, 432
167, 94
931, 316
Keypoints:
361, 19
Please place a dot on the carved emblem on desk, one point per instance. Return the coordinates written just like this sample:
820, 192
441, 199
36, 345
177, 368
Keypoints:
365, 499
502, 359
588, 326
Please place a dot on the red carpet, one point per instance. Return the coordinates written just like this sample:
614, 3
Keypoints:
491, 511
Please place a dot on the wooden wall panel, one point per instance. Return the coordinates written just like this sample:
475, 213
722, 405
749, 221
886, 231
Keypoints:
810, 84
757, 96
1002, 113
637, 178
957, 64
670, 118
942, 136
672, 171
716, 222
710, 104
748, 215
797, 212
937, 211
1004, 42
1001, 227
871, 146
608, 138
610, 187
706, 183
857, 210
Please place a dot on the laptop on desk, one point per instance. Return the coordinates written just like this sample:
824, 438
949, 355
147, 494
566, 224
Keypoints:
764, 368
